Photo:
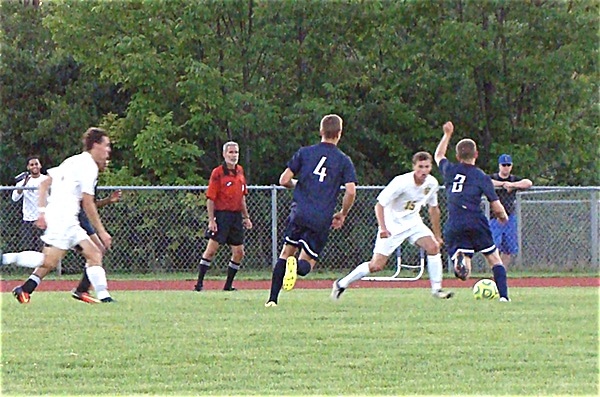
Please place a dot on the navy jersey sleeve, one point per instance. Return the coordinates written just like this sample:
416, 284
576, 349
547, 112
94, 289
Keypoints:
296, 162
488, 188
444, 164
349, 172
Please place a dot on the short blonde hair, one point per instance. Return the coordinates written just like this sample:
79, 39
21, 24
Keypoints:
466, 149
331, 126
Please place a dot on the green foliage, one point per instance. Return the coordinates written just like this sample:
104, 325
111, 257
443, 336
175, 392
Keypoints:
183, 78
393, 341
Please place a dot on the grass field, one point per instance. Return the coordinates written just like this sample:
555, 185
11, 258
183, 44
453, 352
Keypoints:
373, 342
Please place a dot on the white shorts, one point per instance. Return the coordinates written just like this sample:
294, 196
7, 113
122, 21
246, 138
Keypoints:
64, 237
386, 246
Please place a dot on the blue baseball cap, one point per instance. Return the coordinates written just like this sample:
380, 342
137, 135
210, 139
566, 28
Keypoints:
505, 159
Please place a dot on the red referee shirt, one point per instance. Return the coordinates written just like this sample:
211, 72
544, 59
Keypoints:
227, 188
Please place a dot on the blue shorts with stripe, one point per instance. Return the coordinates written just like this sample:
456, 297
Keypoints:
469, 238
312, 241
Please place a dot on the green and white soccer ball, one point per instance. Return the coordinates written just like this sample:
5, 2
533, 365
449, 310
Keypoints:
485, 289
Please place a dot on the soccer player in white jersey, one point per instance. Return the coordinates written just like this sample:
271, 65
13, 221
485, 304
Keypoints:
397, 212
30, 234
72, 188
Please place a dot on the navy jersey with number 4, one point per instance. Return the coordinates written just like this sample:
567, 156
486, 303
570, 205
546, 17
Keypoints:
465, 184
320, 170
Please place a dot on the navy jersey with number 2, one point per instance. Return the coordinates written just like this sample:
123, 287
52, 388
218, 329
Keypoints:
467, 228
320, 170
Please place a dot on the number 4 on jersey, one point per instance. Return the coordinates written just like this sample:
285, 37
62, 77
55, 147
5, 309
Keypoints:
320, 170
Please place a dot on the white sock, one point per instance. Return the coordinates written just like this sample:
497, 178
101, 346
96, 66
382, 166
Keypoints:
434, 267
359, 272
30, 259
97, 277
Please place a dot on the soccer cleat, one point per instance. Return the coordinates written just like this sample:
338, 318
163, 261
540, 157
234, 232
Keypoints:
108, 299
336, 291
83, 296
460, 269
229, 289
291, 273
198, 287
271, 304
441, 294
20, 295
503, 299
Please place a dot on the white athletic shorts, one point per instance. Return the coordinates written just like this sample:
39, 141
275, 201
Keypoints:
63, 236
386, 246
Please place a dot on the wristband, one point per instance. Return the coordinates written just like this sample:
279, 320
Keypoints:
41, 210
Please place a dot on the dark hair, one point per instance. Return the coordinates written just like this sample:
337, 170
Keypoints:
331, 126
421, 156
32, 157
466, 149
91, 136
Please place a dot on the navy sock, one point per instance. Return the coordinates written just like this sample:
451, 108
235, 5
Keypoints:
500, 278
303, 267
277, 280
84, 284
29, 286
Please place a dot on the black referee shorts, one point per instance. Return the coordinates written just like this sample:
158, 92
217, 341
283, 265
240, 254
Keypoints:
230, 229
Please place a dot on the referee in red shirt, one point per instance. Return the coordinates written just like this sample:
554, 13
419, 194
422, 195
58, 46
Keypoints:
227, 214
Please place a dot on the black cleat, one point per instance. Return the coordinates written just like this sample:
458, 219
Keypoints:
460, 269
229, 289
108, 299
198, 287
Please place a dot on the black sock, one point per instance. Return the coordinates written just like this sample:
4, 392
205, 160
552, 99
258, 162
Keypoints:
277, 280
500, 278
29, 286
202, 269
84, 284
232, 270
303, 267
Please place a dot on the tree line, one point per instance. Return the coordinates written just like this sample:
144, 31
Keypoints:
173, 80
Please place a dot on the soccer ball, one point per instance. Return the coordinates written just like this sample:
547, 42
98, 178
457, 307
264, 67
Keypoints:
485, 289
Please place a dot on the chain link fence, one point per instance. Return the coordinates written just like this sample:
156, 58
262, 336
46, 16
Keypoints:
159, 230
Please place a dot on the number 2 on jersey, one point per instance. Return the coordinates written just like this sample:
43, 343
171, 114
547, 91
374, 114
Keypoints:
457, 185
320, 170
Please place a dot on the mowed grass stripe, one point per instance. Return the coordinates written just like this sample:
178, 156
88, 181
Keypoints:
373, 342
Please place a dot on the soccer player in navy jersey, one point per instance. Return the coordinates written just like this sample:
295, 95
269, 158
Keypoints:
467, 230
320, 171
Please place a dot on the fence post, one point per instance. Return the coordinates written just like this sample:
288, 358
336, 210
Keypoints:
519, 230
595, 225
274, 241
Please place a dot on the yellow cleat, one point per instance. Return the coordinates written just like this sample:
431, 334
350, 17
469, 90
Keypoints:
270, 304
291, 273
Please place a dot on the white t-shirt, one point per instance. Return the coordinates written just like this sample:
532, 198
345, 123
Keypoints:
402, 201
30, 197
75, 176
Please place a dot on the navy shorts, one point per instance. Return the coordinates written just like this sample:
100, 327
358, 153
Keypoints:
85, 224
469, 238
505, 235
230, 228
310, 240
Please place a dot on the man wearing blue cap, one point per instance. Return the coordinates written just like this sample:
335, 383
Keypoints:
507, 185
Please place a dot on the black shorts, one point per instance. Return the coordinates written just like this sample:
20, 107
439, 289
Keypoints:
230, 228
30, 236
311, 241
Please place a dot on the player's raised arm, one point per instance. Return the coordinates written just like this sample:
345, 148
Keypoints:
440, 151
286, 179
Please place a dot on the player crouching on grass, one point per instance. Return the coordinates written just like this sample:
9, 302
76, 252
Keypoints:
467, 230
397, 212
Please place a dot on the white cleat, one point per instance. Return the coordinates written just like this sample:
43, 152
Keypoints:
336, 291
